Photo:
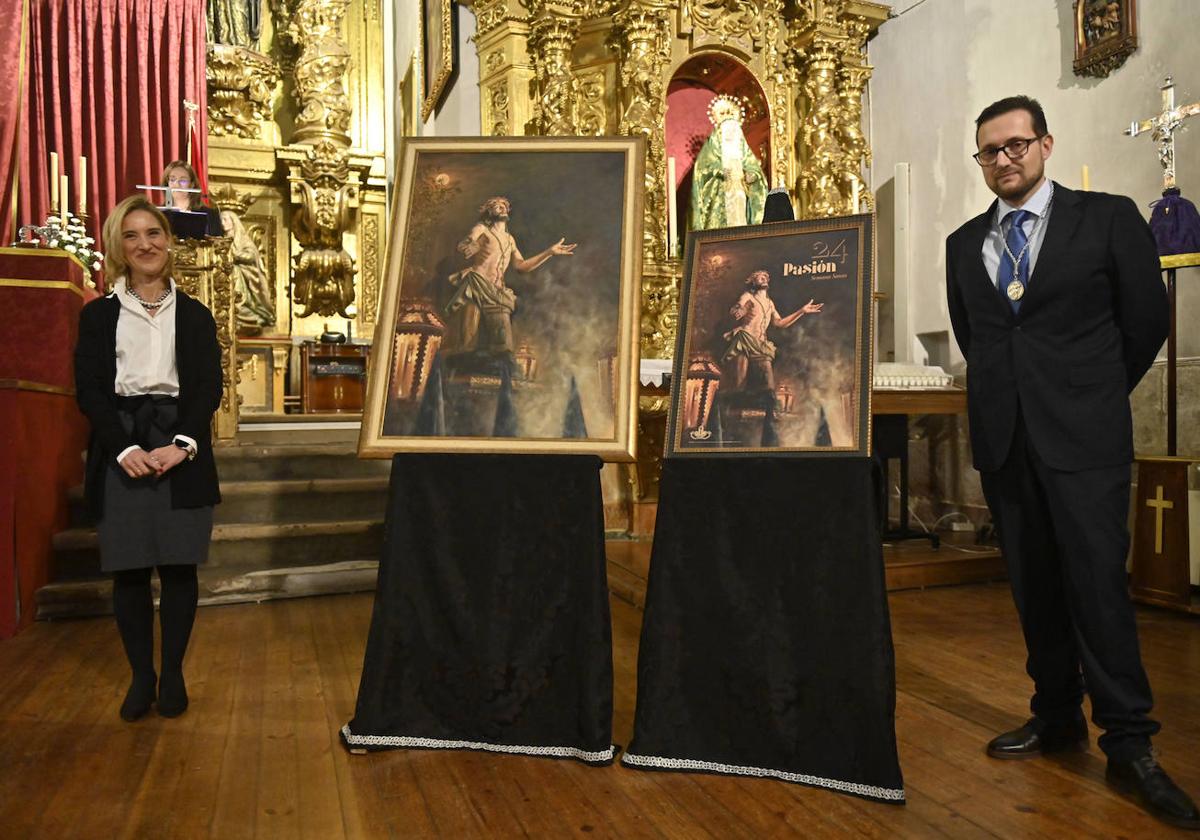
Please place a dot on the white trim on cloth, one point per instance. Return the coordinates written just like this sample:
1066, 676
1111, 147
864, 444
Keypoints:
868, 791
441, 744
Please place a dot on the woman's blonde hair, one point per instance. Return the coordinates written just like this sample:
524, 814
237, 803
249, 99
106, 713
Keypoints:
115, 265
195, 200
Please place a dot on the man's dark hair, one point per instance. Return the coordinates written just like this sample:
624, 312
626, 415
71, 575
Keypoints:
1015, 103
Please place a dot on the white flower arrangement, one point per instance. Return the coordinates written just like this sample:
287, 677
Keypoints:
71, 237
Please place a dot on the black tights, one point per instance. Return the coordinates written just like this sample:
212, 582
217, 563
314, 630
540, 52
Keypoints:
133, 605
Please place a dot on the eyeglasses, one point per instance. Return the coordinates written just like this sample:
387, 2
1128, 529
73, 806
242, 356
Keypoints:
1014, 149
180, 182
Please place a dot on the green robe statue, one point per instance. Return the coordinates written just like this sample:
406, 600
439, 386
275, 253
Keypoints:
729, 187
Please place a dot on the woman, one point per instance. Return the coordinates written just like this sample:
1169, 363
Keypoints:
148, 378
180, 179
256, 306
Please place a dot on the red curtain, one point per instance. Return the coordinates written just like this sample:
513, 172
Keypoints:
13, 81
107, 79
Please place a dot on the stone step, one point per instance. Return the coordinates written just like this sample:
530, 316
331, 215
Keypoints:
218, 585
251, 462
254, 545
282, 500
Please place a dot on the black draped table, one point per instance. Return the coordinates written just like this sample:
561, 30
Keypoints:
766, 648
491, 627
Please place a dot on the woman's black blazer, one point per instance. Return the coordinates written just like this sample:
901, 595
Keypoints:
198, 359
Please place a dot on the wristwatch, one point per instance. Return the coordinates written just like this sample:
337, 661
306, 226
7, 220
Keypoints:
191, 453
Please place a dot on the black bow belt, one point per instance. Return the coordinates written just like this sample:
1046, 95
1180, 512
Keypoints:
147, 411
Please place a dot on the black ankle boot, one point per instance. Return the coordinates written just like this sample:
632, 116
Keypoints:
172, 694
139, 698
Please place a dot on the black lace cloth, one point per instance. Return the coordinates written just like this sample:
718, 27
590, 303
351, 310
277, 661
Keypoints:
491, 626
766, 648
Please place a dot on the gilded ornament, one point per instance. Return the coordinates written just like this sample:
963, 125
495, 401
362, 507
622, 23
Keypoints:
593, 116
241, 86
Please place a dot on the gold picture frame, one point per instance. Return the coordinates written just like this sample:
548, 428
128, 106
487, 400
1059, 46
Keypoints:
1105, 35
494, 338
774, 348
439, 49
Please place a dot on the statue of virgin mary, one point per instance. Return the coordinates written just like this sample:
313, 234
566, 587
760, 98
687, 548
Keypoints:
729, 187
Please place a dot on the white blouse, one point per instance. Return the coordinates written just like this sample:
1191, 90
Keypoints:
146, 351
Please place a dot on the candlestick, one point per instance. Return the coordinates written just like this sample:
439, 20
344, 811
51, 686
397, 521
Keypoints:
82, 203
63, 199
1087, 183
54, 181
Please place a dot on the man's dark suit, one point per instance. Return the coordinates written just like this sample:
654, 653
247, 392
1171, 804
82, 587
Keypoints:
1051, 431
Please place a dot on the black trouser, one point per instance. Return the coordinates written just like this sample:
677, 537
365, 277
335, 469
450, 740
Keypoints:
1065, 539
133, 606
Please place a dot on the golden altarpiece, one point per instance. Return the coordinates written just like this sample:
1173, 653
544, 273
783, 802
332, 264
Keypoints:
595, 67
296, 137
296, 143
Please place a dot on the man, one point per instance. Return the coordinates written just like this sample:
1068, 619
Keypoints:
482, 303
748, 342
1057, 303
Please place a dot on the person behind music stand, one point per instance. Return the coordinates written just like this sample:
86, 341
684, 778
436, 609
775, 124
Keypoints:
182, 194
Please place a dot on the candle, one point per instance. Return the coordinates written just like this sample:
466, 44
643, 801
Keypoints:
672, 222
82, 203
54, 180
854, 197
63, 201
1087, 183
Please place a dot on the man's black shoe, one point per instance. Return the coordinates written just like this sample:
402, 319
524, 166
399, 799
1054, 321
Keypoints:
1037, 737
1154, 790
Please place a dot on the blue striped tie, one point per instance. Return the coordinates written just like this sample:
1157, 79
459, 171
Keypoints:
1016, 240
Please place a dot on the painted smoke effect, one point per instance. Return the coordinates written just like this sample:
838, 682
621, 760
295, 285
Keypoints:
567, 309
815, 356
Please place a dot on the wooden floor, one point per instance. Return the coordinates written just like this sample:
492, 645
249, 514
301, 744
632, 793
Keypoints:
257, 755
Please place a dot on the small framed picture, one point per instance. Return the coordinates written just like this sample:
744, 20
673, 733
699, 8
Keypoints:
438, 52
509, 312
1105, 35
773, 355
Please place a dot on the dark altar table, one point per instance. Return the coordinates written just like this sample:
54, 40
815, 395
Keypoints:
491, 627
766, 647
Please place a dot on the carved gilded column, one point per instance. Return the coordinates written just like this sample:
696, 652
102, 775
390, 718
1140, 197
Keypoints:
852, 81
204, 269
856, 153
320, 72
820, 152
552, 35
324, 186
643, 35
505, 69
781, 72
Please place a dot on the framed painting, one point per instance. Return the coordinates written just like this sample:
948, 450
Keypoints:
509, 313
1105, 35
773, 355
438, 52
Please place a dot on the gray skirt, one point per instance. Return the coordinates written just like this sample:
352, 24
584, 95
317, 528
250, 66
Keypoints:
139, 528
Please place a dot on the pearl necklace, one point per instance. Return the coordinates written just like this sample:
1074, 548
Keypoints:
148, 305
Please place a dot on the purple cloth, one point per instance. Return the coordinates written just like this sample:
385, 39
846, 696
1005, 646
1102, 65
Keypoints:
1175, 224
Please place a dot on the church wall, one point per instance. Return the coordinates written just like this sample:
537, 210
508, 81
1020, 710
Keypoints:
937, 65
458, 115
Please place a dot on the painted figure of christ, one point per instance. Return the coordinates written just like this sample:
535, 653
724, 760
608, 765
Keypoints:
482, 305
748, 344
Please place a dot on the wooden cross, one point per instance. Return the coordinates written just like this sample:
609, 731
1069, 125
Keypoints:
1162, 129
1160, 505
